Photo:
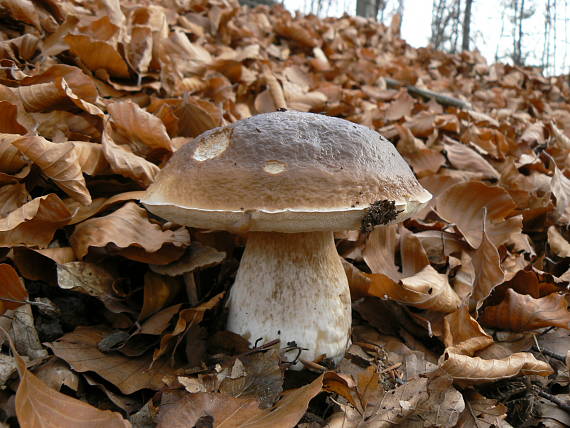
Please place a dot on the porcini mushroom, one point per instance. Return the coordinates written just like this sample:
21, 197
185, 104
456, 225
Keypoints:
288, 180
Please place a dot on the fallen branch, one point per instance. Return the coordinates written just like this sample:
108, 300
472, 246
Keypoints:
425, 93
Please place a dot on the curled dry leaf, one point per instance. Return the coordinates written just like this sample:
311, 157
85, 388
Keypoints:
159, 291
126, 227
184, 409
9, 119
96, 54
197, 256
463, 204
12, 197
557, 243
81, 212
474, 370
38, 405
143, 130
463, 333
79, 349
39, 265
521, 312
482, 412
197, 116
34, 223
380, 251
561, 190
58, 161
127, 163
427, 289
465, 158
12, 292
488, 272
11, 159
91, 158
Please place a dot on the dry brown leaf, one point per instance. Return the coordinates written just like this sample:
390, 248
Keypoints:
159, 291
197, 116
463, 204
197, 256
129, 226
412, 254
91, 158
96, 54
482, 412
79, 349
463, 333
12, 197
186, 319
143, 130
89, 278
521, 312
34, 223
39, 265
187, 409
474, 370
12, 292
11, 159
37, 405
464, 158
81, 212
402, 106
560, 185
380, 251
488, 272
427, 289
9, 119
127, 163
557, 243
58, 161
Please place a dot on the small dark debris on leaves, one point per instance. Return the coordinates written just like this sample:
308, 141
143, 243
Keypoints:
379, 212
281, 109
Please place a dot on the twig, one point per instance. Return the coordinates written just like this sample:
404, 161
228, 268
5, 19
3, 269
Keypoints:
550, 354
426, 93
564, 406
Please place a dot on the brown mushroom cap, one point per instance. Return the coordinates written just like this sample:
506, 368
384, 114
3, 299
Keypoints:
284, 172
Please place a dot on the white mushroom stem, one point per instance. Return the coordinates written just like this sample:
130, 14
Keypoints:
292, 287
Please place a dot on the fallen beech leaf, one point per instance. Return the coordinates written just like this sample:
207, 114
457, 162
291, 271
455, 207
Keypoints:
463, 203
400, 107
126, 163
37, 405
427, 289
12, 292
380, 251
561, 190
79, 349
81, 212
41, 264
186, 319
97, 55
463, 333
34, 223
197, 116
159, 291
488, 272
142, 129
89, 278
12, 197
91, 158
126, 227
58, 161
11, 159
474, 370
425, 162
521, 312
197, 256
482, 412
158, 322
466, 159
557, 243
185, 410
9, 119
412, 254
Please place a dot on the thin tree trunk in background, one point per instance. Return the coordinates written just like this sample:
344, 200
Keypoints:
366, 8
466, 25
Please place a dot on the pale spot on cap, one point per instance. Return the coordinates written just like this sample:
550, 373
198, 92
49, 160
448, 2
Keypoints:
213, 145
274, 167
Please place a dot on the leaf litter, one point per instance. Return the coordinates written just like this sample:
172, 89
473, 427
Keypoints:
113, 307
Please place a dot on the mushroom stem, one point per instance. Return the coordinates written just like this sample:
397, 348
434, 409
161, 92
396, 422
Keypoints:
292, 286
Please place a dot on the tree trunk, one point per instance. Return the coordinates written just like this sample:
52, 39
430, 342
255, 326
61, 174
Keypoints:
366, 8
466, 25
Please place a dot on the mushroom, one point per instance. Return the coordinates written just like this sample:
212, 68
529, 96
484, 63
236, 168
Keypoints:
288, 180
